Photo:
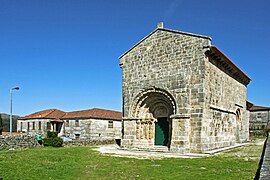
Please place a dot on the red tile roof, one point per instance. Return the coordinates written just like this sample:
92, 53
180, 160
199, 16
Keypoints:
94, 113
45, 114
230, 62
90, 113
231, 69
8, 133
249, 105
259, 108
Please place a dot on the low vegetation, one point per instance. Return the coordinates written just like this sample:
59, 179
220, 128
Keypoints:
52, 140
86, 163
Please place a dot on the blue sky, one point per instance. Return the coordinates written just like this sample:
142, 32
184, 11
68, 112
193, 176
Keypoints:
64, 53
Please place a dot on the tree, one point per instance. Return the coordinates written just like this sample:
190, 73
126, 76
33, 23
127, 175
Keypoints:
1, 125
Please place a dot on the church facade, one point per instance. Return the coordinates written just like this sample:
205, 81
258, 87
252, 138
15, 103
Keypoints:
182, 93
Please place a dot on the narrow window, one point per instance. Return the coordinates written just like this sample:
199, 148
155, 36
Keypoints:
110, 124
21, 127
67, 123
238, 115
77, 123
28, 126
77, 136
48, 126
238, 119
33, 125
39, 125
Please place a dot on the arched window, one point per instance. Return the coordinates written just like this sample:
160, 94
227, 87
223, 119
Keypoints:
238, 116
238, 125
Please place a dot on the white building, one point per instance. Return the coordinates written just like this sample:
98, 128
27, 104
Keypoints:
96, 124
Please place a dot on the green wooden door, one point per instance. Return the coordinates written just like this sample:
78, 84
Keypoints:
162, 132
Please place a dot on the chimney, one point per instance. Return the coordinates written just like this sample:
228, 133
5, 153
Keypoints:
160, 25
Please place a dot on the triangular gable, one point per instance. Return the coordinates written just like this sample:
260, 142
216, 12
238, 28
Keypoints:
167, 30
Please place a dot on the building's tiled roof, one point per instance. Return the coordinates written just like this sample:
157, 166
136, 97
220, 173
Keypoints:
45, 114
94, 113
249, 105
84, 114
8, 133
227, 65
259, 108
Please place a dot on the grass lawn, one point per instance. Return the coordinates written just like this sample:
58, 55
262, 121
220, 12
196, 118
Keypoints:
85, 163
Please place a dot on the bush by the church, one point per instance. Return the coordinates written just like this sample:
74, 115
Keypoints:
51, 134
52, 140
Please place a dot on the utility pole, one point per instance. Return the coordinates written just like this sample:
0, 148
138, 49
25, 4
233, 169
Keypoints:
10, 118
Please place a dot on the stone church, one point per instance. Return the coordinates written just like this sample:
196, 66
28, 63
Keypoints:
183, 94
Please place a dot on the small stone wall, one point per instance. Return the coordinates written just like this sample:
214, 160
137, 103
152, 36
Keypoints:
89, 142
257, 122
17, 142
264, 168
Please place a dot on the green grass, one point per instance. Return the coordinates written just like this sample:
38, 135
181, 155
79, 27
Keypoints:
85, 163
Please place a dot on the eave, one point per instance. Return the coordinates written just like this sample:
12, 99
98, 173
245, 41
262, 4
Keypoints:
219, 59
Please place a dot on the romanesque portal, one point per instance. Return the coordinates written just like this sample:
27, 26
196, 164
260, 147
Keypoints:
153, 108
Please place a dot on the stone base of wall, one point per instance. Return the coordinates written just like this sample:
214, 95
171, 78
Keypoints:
18, 142
89, 142
257, 133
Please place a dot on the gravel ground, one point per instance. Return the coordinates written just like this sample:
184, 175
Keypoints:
247, 151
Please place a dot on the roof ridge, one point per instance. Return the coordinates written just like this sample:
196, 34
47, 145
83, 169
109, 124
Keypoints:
79, 110
50, 111
39, 113
105, 109
261, 106
64, 113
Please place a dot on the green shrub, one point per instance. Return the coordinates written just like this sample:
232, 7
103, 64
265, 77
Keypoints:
47, 141
57, 142
51, 134
52, 140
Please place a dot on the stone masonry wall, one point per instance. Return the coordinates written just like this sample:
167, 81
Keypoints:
22, 126
18, 142
93, 129
265, 161
257, 122
86, 129
171, 61
225, 96
87, 142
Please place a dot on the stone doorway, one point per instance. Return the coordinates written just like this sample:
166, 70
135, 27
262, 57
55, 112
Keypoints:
151, 111
162, 132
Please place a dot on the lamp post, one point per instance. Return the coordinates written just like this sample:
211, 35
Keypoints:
10, 127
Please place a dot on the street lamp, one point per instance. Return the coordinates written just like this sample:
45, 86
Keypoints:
10, 127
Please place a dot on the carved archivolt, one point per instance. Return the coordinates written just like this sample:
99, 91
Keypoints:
153, 102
